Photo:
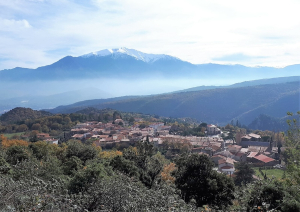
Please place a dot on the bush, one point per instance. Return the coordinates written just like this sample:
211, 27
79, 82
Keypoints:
15, 154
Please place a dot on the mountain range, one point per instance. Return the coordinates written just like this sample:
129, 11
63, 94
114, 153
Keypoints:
130, 80
133, 64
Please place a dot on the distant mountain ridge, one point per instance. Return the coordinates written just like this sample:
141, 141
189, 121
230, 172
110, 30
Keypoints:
246, 83
133, 64
84, 104
218, 106
121, 62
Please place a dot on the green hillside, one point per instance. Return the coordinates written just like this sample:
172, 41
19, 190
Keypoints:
20, 114
216, 106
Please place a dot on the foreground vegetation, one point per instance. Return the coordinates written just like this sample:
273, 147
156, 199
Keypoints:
79, 176
75, 177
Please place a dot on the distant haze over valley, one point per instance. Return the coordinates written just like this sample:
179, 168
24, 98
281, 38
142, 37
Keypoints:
125, 72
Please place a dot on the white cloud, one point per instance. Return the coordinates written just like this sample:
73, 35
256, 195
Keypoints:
196, 31
13, 25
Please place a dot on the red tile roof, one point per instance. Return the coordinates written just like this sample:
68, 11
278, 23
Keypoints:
264, 158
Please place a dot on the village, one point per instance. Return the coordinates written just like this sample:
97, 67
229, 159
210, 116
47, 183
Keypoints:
224, 153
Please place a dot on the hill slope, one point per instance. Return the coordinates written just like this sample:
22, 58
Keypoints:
20, 114
246, 83
217, 106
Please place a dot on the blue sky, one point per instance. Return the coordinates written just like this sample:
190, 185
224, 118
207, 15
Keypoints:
34, 33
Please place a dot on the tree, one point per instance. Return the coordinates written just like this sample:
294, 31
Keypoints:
125, 166
5, 142
41, 149
72, 165
36, 127
117, 115
244, 174
80, 150
85, 177
196, 180
149, 164
167, 172
15, 154
110, 154
154, 166
56, 126
4, 166
45, 129
292, 150
121, 194
33, 136
144, 150
203, 124
268, 195
230, 136
22, 128
131, 121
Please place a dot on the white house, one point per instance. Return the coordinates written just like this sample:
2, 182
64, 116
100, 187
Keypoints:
213, 129
226, 165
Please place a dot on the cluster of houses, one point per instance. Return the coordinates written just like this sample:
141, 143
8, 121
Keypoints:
108, 135
247, 148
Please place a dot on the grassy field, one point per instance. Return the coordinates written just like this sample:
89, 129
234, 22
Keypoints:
10, 135
277, 173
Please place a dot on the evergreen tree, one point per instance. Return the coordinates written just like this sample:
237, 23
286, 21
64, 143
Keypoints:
244, 174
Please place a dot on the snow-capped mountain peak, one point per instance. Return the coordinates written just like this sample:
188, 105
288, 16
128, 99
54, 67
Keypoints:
130, 52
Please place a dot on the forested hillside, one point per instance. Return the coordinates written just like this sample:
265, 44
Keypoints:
212, 106
20, 114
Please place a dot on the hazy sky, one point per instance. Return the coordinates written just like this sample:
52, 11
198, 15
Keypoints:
257, 32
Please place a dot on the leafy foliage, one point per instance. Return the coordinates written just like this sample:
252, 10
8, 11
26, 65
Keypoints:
244, 174
5, 142
167, 172
268, 195
196, 180
78, 149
